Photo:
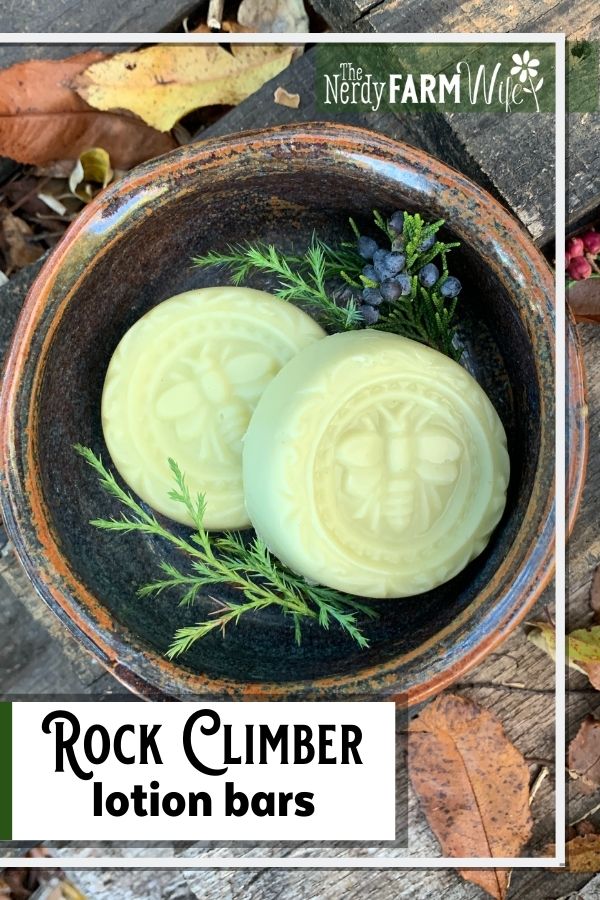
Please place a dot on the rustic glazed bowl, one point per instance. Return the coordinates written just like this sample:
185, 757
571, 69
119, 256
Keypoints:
131, 249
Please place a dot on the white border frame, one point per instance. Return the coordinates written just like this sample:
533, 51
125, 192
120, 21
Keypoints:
343, 862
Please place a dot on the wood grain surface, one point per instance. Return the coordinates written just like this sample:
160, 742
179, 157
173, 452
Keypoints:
520, 171
38, 656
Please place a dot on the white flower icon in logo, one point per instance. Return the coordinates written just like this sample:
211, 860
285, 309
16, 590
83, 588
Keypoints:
524, 67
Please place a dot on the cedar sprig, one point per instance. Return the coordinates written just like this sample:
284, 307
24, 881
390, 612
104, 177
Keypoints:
301, 279
312, 279
225, 559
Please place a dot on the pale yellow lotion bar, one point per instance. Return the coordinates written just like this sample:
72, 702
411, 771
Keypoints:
183, 383
375, 465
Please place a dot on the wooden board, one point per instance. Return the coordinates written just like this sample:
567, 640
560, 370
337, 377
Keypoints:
515, 681
580, 18
521, 169
55, 16
531, 181
343, 15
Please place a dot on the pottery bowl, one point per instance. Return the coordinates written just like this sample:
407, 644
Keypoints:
129, 250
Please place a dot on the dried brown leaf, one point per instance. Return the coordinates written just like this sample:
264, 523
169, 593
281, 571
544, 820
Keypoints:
584, 299
584, 827
473, 785
43, 119
19, 250
284, 98
236, 28
592, 670
21, 882
22, 194
583, 853
584, 755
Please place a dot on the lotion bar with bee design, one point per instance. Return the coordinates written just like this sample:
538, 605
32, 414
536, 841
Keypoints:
183, 383
375, 465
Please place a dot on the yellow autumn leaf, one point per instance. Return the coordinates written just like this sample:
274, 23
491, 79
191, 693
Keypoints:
163, 83
92, 168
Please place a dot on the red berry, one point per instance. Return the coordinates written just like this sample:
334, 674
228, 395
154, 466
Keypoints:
567, 259
591, 241
579, 268
575, 247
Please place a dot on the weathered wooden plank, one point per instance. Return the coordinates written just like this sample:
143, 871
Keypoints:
440, 16
429, 132
511, 164
30, 16
132, 884
526, 712
528, 717
510, 156
518, 164
39, 656
341, 15
261, 111
523, 722
584, 545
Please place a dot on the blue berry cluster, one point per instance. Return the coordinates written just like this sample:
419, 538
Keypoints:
385, 275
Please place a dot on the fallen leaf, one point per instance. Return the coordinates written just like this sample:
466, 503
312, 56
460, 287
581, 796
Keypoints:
584, 827
583, 853
43, 119
584, 299
22, 194
472, 783
274, 15
53, 203
543, 635
21, 882
92, 172
595, 595
584, 755
163, 83
236, 28
582, 648
284, 98
15, 232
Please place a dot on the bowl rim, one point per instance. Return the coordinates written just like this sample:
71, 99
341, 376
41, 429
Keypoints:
154, 677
